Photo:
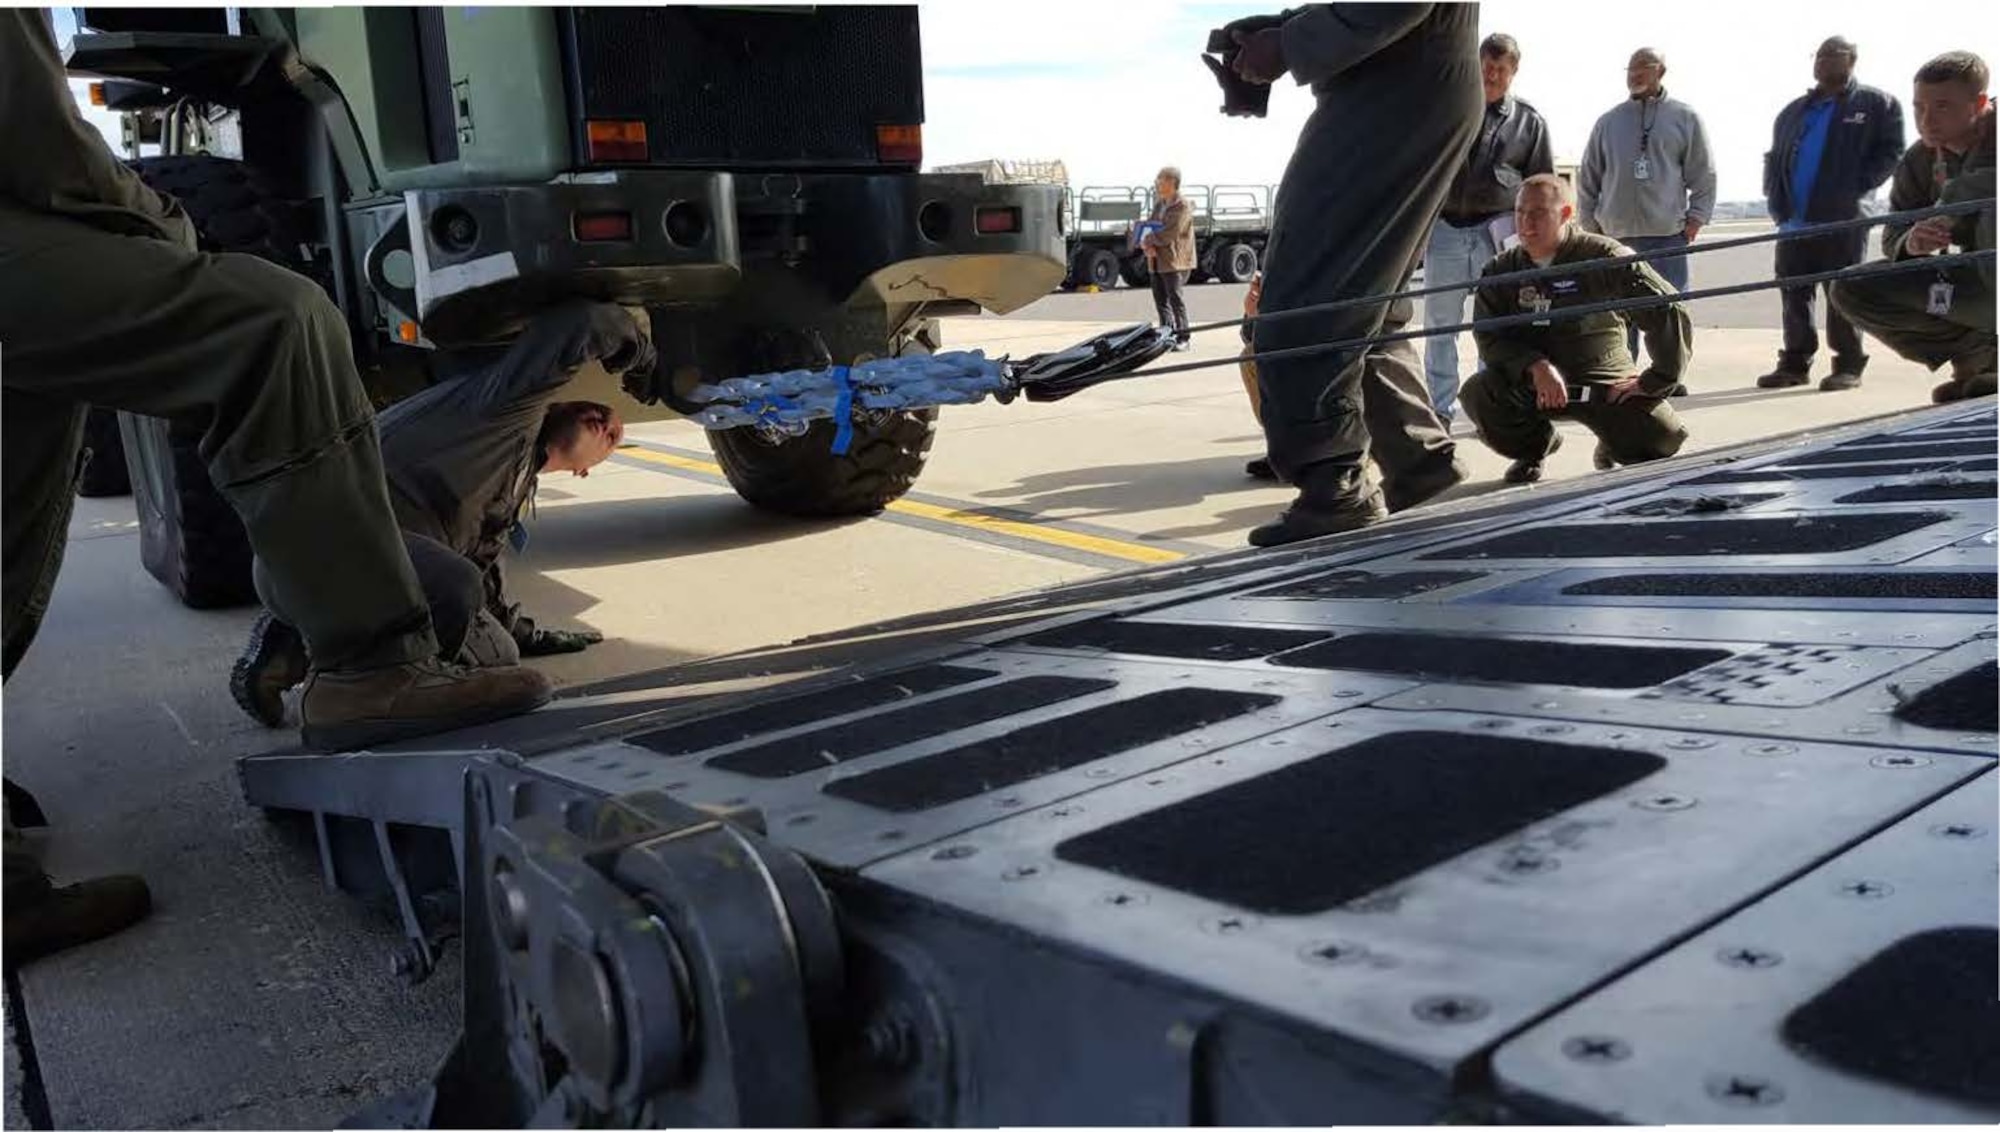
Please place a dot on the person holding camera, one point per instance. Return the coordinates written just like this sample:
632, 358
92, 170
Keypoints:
1399, 101
1577, 368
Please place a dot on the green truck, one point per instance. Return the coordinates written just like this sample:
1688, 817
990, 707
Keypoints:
1232, 224
750, 175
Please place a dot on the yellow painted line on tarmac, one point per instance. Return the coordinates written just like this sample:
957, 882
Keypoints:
685, 463
1034, 532
958, 517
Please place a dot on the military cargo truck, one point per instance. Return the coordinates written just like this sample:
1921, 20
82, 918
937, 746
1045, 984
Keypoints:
1232, 223
749, 174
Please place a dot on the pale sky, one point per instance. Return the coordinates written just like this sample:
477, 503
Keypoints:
1115, 90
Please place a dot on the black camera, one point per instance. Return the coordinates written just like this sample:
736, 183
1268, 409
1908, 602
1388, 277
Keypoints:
1240, 98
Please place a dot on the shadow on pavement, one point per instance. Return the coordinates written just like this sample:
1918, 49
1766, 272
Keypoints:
623, 531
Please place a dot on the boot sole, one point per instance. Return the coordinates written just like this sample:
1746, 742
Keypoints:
265, 640
355, 735
1804, 381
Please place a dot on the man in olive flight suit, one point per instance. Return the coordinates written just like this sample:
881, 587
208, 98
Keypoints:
1945, 317
462, 459
1399, 101
1527, 369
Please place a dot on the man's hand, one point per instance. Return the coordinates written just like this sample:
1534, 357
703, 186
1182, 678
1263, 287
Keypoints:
1260, 55
552, 642
1253, 296
1928, 236
1691, 229
1551, 395
1619, 391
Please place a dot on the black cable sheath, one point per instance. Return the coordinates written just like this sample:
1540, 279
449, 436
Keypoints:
1561, 314
1808, 232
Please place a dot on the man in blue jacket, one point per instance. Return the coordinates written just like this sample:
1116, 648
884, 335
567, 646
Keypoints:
1830, 147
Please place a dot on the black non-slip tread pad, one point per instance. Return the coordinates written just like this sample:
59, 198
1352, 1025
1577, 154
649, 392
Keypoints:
1922, 492
1890, 453
1858, 472
1857, 585
1320, 833
1674, 538
1923, 1014
795, 711
1965, 702
842, 742
1362, 585
1180, 642
1437, 656
1044, 748
1699, 504
1989, 464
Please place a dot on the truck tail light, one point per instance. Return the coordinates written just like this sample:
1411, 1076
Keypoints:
615, 141
899, 145
97, 94
996, 221
601, 227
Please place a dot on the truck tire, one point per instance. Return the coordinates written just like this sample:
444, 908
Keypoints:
190, 538
1236, 263
801, 476
1134, 272
104, 470
1097, 267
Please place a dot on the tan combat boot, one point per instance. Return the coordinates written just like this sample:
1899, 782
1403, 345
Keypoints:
344, 711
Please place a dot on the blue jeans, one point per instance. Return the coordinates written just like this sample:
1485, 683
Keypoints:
1453, 255
1673, 268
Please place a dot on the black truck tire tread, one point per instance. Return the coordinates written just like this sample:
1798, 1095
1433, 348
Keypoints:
802, 477
1236, 263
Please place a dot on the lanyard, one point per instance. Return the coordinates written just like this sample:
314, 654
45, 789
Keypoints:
1646, 122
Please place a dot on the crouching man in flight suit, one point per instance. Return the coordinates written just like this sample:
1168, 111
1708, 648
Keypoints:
1526, 369
461, 460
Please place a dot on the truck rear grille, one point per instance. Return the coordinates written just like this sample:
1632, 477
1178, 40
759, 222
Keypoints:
776, 87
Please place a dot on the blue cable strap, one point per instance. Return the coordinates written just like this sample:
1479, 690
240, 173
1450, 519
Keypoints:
843, 411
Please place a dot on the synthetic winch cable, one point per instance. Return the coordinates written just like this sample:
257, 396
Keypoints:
1810, 231
1565, 314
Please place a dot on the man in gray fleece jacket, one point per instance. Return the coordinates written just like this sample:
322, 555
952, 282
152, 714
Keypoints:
1646, 178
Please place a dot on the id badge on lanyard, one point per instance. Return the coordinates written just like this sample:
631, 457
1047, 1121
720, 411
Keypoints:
1940, 298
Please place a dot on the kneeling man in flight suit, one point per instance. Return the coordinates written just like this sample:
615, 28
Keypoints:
1527, 369
462, 459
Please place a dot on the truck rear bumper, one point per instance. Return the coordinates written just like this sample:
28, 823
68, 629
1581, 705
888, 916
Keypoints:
487, 257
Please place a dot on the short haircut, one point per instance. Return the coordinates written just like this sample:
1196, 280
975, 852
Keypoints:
1500, 45
1956, 67
1548, 181
1172, 173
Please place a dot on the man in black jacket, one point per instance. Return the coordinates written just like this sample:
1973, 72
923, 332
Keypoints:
1478, 214
1830, 147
